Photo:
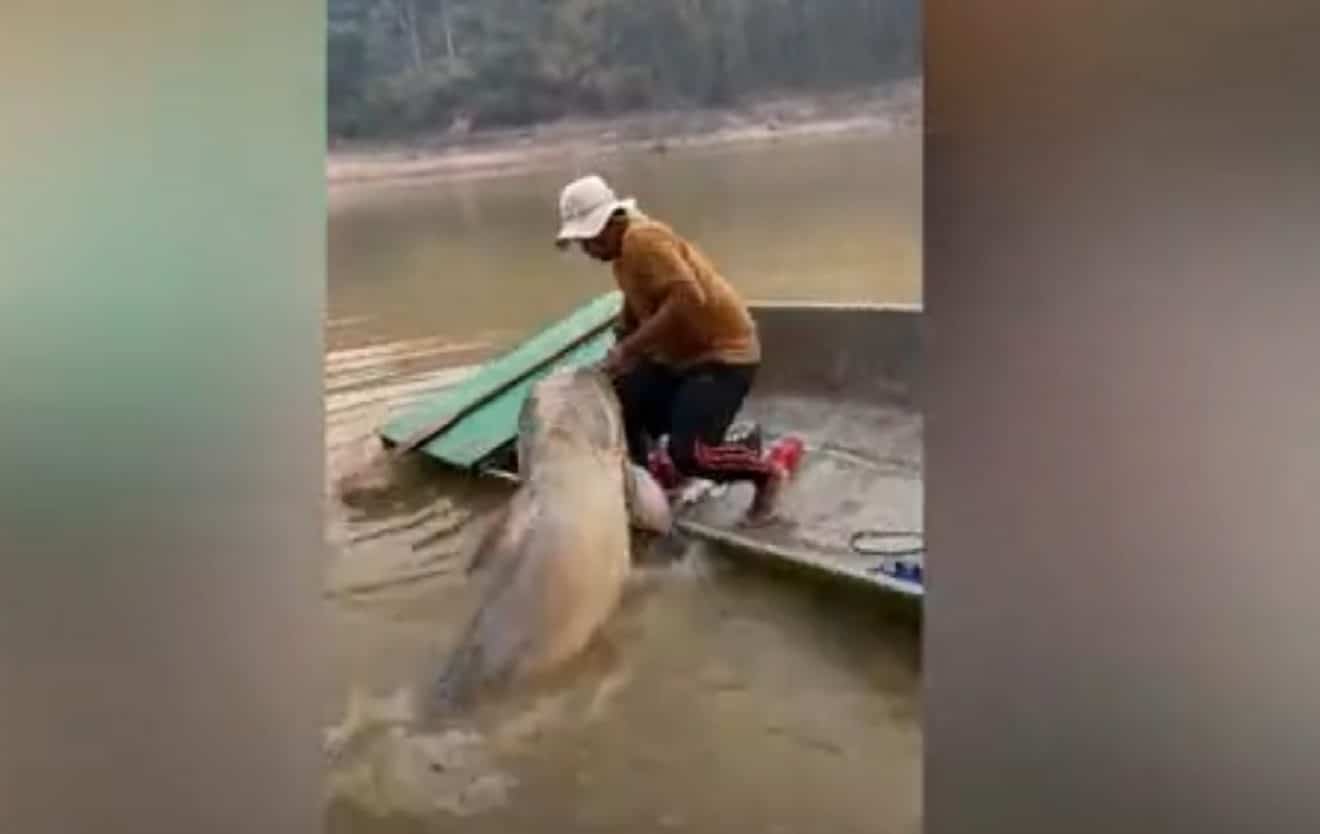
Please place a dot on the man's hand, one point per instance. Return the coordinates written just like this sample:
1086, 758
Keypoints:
618, 361
624, 325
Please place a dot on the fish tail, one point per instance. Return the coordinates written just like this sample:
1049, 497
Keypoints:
453, 687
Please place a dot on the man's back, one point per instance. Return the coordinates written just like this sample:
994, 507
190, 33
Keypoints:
718, 327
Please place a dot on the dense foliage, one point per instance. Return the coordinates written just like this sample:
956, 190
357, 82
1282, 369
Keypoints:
403, 66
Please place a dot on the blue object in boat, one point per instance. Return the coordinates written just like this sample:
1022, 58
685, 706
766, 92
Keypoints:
907, 570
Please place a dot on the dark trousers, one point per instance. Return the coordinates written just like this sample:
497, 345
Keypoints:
695, 407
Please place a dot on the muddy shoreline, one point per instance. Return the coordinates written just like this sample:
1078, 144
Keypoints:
351, 166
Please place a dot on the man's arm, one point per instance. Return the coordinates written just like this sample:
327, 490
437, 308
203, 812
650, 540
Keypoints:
678, 287
678, 295
626, 323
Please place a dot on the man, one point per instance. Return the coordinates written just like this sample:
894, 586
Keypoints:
687, 350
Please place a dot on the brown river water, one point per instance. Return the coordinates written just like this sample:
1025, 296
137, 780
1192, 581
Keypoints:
719, 699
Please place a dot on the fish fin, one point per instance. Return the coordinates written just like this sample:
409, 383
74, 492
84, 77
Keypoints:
473, 668
496, 537
454, 686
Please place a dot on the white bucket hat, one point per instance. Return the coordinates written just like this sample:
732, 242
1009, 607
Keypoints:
585, 206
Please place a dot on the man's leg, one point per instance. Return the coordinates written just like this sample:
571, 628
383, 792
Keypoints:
645, 394
708, 399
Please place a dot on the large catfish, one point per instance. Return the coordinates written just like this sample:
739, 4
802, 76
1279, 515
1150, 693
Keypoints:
555, 560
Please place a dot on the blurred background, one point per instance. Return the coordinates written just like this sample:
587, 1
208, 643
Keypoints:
399, 66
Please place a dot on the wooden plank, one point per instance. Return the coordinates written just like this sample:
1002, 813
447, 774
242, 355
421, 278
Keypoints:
493, 394
495, 425
438, 426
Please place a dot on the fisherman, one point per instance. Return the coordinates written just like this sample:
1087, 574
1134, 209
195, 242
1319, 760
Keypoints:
687, 349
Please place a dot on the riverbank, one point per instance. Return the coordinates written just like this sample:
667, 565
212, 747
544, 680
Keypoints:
353, 165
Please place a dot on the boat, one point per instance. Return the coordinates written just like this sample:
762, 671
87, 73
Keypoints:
843, 378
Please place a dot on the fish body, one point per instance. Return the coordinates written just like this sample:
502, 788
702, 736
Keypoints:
554, 562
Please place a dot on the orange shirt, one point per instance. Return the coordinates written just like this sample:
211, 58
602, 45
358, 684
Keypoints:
715, 326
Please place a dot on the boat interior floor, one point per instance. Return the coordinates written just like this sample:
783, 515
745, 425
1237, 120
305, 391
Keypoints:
861, 471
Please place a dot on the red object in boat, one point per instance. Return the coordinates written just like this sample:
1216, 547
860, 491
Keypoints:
787, 452
662, 468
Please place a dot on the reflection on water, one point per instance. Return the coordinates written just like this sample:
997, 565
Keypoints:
834, 220
718, 699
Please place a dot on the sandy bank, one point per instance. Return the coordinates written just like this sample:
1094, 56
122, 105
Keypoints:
351, 166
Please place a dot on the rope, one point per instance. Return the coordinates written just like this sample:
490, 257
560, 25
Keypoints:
857, 539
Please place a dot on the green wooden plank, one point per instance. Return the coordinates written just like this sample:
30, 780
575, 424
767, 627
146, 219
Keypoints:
499, 387
496, 422
522, 359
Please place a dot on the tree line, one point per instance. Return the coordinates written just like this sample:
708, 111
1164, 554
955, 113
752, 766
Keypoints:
399, 67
